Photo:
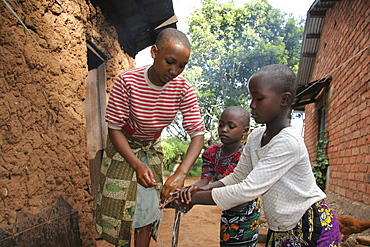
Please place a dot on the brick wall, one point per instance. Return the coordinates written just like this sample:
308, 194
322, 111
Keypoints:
346, 32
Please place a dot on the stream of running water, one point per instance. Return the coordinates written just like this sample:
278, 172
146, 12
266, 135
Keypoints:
176, 226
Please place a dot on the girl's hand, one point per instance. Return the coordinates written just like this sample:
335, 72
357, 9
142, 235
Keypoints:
168, 201
171, 184
183, 195
180, 206
173, 201
186, 192
145, 177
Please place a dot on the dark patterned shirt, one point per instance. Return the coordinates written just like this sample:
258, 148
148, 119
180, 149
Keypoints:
215, 166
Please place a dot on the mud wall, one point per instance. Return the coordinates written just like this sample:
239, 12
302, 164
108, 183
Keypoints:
42, 91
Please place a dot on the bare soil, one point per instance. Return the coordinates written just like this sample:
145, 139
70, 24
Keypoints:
199, 227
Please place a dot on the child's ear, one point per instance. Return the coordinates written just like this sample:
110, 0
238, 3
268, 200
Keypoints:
245, 132
154, 51
245, 135
286, 99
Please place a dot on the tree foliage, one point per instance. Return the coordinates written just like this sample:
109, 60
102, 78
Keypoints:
172, 149
229, 43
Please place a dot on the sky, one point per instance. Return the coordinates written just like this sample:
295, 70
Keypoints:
183, 9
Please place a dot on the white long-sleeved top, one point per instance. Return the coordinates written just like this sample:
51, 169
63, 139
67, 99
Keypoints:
280, 172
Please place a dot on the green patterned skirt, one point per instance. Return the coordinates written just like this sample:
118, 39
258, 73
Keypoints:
240, 225
117, 193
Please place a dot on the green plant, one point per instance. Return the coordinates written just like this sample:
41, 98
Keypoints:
172, 146
196, 169
321, 163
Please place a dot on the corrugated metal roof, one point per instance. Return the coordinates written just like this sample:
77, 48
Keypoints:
311, 38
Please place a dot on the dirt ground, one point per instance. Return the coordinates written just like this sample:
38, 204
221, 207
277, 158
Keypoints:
198, 227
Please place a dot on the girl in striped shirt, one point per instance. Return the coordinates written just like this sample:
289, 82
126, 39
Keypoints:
144, 101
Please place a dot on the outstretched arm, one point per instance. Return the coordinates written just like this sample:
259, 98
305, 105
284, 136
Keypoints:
186, 193
177, 179
202, 198
191, 193
211, 186
197, 197
144, 175
201, 182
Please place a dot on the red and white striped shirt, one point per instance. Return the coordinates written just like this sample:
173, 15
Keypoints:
143, 109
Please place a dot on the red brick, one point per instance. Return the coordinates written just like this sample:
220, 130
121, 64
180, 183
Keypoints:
354, 168
360, 177
366, 199
364, 149
352, 160
355, 151
340, 182
365, 113
363, 168
353, 143
340, 191
348, 194
356, 134
361, 141
353, 186
360, 159
346, 184
357, 196
361, 187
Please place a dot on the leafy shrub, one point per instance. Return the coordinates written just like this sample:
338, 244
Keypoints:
321, 163
172, 146
196, 169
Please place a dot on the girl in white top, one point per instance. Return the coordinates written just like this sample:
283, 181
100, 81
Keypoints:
276, 166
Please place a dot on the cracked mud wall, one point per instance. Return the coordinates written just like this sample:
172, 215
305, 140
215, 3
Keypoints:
42, 90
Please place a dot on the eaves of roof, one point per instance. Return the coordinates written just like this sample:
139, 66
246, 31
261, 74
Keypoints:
310, 45
137, 22
311, 38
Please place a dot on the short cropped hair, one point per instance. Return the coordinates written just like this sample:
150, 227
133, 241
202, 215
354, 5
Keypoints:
283, 77
171, 36
240, 112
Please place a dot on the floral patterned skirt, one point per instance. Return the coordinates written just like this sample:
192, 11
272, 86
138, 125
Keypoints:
318, 227
240, 225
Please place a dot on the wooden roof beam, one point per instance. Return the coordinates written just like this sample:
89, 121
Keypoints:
309, 55
317, 14
328, 1
313, 36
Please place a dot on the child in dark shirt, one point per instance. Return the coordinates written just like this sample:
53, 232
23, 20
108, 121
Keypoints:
239, 225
